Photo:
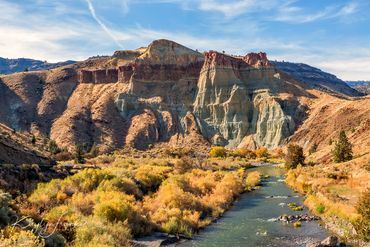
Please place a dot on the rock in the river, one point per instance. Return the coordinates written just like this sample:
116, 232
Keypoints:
330, 241
314, 244
157, 239
298, 217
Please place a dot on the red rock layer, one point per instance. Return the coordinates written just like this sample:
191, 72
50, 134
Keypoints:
166, 72
98, 76
214, 58
257, 59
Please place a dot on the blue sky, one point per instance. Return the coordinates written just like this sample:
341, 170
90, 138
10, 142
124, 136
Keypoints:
333, 35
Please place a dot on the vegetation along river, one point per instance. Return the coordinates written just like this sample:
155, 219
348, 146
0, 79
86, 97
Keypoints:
252, 220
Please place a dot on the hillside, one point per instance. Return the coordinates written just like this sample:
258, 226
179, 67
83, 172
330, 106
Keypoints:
361, 86
9, 66
167, 94
316, 78
327, 116
17, 148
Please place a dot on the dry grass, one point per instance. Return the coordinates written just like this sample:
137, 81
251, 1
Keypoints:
333, 189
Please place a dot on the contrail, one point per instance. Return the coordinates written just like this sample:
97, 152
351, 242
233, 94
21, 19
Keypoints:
102, 25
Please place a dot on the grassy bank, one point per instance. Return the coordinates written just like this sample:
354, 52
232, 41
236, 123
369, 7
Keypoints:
333, 191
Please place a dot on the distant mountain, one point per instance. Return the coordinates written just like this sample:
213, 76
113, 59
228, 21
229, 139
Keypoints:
9, 66
361, 86
316, 78
358, 83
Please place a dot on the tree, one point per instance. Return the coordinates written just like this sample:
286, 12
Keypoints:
53, 147
343, 149
78, 155
33, 139
313, 149
294, 156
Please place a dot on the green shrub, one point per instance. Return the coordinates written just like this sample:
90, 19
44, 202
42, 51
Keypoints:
97, 232
53, 147
320, 209
294, 156
6, 211
217, 152
176, 226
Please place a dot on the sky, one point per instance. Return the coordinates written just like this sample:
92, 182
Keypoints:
333, 35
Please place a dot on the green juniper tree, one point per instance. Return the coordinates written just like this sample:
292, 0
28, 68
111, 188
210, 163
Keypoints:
78, 155
343, 149
33, 139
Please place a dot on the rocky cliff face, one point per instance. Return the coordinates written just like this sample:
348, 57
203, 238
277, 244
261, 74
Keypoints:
162, 93
236, 102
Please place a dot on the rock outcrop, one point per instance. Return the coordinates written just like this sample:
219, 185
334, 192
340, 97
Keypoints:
235, 100
161, 93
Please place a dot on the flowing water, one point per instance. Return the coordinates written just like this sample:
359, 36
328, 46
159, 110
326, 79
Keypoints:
251, 221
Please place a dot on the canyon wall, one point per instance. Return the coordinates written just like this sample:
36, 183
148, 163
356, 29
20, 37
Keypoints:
235, 101
163, 93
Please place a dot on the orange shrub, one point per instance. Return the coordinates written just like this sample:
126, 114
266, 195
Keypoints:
262, 152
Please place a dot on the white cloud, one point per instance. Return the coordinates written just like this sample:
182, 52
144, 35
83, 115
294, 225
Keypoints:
343, 61
290, 13
230, 8
351, 69
42, 35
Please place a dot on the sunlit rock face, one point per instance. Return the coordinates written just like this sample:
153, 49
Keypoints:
235, 100
158, 102
163, 93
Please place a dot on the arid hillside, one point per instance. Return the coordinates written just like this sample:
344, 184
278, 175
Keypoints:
17, 148
327, 116
167, 93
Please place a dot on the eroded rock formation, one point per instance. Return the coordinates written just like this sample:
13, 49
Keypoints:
235, 99
162, 93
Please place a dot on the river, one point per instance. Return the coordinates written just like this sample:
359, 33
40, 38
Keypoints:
251, 221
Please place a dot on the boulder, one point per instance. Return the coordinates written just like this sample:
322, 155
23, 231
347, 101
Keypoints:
330, 241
